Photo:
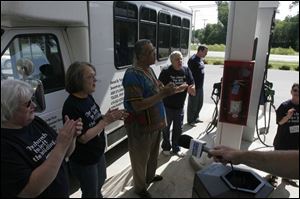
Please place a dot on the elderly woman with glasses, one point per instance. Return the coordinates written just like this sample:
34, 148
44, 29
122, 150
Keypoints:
87, 163
32, 153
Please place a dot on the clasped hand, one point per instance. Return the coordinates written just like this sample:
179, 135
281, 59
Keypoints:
113, 115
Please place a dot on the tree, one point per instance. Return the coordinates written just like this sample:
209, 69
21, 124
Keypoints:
223, 10
286, 33
215, 33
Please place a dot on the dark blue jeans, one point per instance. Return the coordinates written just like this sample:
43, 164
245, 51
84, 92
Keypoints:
174, 116
91, 177
195, 104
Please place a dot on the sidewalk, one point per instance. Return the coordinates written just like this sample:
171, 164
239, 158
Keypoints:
178, 172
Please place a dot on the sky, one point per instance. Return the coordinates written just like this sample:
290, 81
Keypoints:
209, 14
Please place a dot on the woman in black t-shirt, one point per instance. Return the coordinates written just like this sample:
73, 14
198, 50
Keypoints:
32, 153
87, 162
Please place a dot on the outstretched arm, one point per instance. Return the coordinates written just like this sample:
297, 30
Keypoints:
274, 162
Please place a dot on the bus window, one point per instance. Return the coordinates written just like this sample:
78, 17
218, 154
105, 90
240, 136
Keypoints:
148, 19
185, 36
43, 51
175, 37
125, 33
164, 29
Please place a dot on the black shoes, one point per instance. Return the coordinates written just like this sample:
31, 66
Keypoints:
198, 121
144, 194
192, 124
156, 178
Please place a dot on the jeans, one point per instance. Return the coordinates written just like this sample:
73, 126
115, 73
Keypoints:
175, 116
195, 104
91, 177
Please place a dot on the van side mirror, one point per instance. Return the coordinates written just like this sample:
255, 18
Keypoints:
38, 96
25, 67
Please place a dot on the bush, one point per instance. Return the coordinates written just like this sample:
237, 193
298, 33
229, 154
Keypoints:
269, 66
218, 63
284, 67
217, 47
297, 68
283, 51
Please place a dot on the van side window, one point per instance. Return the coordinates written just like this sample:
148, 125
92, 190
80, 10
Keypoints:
185, 29
176, 26
43, 51
164, 29
125, 33
148, 19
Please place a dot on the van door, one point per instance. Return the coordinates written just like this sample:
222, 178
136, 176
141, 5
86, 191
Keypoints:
47, 50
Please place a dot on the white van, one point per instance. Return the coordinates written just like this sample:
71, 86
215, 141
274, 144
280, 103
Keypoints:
54, 34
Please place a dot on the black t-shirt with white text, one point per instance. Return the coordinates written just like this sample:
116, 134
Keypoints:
178, 77
22, 151
287, 137
86, 109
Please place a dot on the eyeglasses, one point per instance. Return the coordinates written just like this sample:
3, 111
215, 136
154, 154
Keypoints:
295, 90
28, 104
91, 77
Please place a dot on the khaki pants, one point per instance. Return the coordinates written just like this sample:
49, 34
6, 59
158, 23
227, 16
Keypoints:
143, 149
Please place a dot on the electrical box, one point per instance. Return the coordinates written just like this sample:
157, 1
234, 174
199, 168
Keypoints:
236, 91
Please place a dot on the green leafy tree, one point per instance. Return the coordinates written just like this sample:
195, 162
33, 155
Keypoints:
286, 33
215, 33
223, 10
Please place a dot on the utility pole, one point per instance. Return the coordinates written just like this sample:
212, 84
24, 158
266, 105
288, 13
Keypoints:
204, 24
194, 22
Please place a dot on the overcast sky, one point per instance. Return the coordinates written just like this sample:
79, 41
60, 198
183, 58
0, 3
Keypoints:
209, 14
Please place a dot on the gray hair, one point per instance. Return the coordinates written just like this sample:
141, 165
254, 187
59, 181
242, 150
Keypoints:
139, 48
13, 93
74, 76
174, 55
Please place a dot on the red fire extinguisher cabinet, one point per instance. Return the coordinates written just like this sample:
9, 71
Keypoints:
236, 91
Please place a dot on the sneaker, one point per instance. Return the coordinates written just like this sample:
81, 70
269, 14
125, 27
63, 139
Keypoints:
167, 153
192, 124
179, 154
198, 121
144, 194
272, 180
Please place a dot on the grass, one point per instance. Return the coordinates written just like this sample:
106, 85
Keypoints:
272, 64
277, 51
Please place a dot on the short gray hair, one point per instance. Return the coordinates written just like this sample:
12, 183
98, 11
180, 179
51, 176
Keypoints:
74, 76
13, 93
174, 55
